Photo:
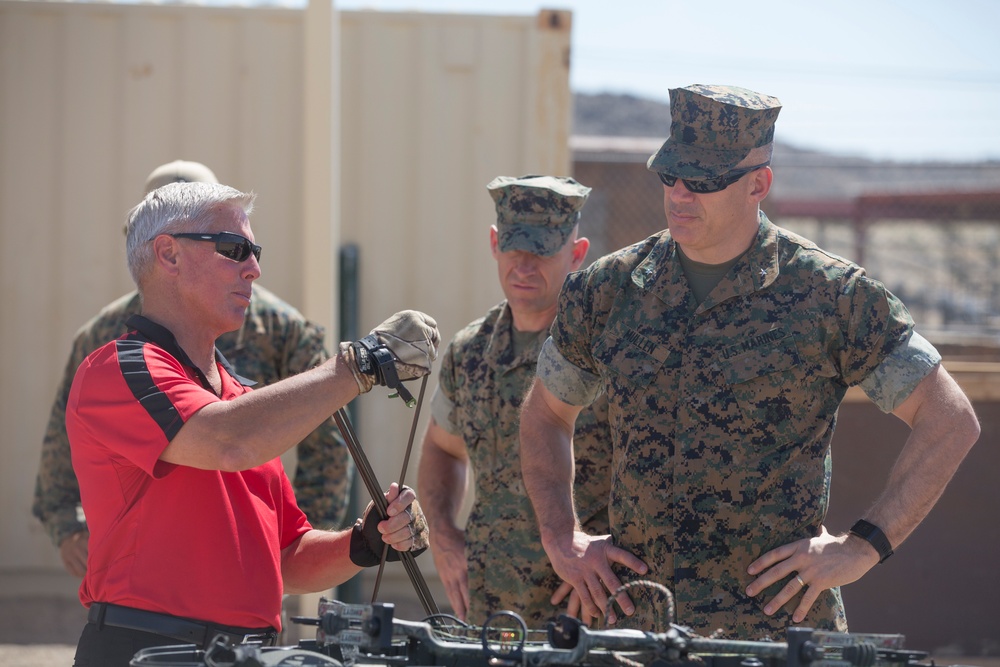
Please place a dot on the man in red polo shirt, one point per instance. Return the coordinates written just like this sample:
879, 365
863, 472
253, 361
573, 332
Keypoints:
194, 526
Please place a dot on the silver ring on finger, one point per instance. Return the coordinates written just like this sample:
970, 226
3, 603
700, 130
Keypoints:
799, 579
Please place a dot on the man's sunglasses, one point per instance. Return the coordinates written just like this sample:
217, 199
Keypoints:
227, 244
709, 185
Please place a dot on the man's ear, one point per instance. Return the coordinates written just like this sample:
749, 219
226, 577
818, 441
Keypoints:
762, 179
166, 253
494, 241
580, 248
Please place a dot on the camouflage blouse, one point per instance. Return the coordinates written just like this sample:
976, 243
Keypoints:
723, 411
485, 382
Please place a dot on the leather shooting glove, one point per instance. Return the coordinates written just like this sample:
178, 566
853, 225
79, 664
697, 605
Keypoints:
410, 336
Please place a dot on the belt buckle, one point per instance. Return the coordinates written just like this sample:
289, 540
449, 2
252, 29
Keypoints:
257, 638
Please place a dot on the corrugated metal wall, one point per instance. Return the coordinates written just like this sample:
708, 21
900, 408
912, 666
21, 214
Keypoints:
450, 102
428, 109
435, 130
93, 97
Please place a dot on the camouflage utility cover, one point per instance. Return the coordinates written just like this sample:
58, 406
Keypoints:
536, 213
486, 383
275, 342
712, 128
179, 171
722, 412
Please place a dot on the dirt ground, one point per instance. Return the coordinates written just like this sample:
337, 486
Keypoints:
36, 655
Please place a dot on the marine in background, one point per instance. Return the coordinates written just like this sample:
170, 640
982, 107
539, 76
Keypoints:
496, 562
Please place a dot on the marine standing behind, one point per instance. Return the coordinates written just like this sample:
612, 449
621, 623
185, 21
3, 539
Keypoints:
497, 562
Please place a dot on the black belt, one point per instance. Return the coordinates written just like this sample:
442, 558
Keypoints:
181, 629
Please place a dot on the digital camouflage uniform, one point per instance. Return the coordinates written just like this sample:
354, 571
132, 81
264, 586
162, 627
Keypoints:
484, 377
722, 412
275, 342
485, 382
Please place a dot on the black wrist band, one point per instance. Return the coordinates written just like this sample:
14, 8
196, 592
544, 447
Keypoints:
874, 536
363, 351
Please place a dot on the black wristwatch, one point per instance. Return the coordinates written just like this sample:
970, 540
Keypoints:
874, 536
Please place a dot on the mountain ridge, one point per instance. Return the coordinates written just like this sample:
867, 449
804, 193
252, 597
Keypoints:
624, 120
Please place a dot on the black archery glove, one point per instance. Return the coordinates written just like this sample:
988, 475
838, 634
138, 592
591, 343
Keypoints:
367, 543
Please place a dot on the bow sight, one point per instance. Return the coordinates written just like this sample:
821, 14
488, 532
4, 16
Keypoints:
369, 635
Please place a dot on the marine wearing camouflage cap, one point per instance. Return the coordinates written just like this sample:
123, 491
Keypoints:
712, 129
536, 214
495, 561
723, 396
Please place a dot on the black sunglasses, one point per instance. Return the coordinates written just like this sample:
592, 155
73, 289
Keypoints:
709, 185
227, 244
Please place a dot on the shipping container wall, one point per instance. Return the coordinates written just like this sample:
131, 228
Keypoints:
95, 96
425, 110
433, 129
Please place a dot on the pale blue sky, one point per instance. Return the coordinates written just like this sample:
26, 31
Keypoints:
885, 79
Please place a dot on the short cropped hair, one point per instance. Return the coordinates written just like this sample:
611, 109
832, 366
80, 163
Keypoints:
173, 208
